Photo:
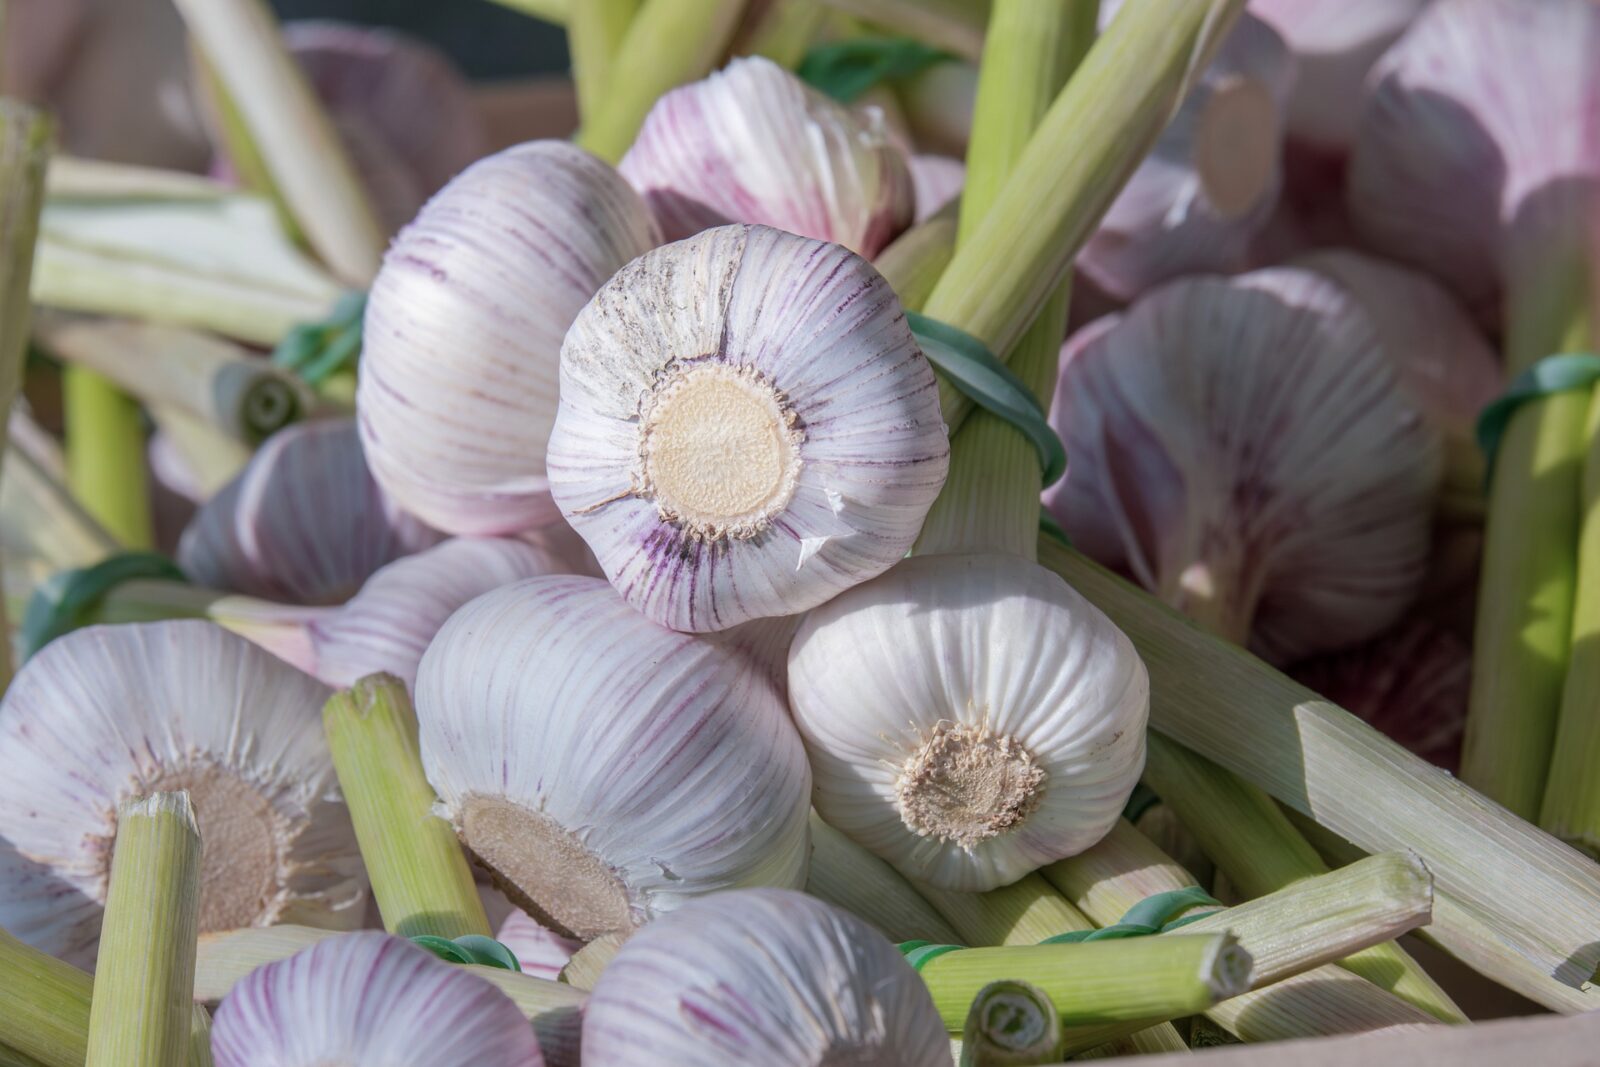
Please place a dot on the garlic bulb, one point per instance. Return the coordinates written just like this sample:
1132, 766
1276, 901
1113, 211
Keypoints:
753, 143
114, 712
1335, 43
540, 951
369, 1000
605, 769
1460, 172
969, 718
303, 523
937, 181
747, 427
1212, 178
458, 384
764, 978
38, 43
1243, 448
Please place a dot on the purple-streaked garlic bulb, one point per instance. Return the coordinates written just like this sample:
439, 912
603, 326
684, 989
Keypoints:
969, 718
1411, 683
540, 951
937, 180
761, 978
1335, 43
605, 769
460, 369
753, 143
39, 38
369, 1000
747, 428
1212, 179
304, 522
110, 713
1243, 448
1463, 173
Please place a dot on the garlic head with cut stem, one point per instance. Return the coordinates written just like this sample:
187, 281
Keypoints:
753, 143
114, 712
606, 769
747, 427
463, 330
761, 978
1243, 449
969, 718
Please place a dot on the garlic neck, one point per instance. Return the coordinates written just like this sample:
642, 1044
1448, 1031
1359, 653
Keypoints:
965, 784
1235, 147
1219, 593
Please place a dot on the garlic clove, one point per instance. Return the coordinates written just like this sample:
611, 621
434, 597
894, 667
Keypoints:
753, 143
1243, 448
114, 712
969, 718
747, 427
369, 1000
938, 180
1212, 178
539, 950
458, 384
606, 769
761, 977
303, 523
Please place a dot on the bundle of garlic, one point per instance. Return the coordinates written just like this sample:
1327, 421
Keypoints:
110, 713
1243, 448
761, 977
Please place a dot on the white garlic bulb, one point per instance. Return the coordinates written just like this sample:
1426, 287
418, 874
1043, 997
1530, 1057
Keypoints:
753, 143
606, 769
114, 712
304, 523
462, 337
369, 1000
1242, 447
761, 978
1212, 178
747, 427
969, 718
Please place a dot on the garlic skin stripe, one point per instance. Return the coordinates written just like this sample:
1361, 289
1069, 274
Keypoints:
1243, 448
463, 331
753, 143
605, 769
747, 427
109, 713
369, 1000
969, 718
303, 523
761, 978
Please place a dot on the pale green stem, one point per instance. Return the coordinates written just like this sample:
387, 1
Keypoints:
1011, 1024
583, 970
914, 261
419, 875
243, 154
595, 33
954, 25
106, 456
783, 33
553, 11
214, 458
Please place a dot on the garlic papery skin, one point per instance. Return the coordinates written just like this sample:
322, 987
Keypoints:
605, 769
463, 330
1453, 167
753, 143
304, 523
747, 428
1243, 448
369, 1000
539, 950
1212, 179
761, 978
111, 713
1335, 43
938, 180
969, 718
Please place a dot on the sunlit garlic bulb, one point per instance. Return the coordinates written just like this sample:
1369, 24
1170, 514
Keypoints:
969, 718
1243, 448
114, 712
1211, 180
369, 1000
761, 978
753, 143
606, 769
304, 523
1478, 143
459, 373
747, 427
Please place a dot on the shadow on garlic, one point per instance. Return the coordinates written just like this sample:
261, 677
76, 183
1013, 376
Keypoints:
747, 427
605, 769
115, 712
